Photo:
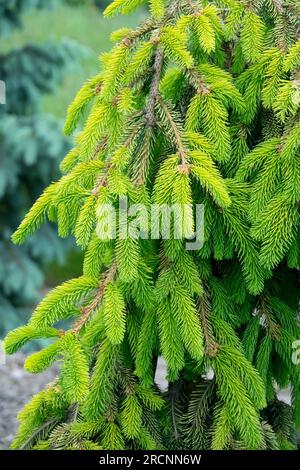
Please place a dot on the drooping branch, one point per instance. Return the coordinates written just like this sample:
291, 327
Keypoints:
39, 431
158, 66
102, 181
87, 311
211, 345
264, 311
144, 28
154, 88
184, 168
100, 147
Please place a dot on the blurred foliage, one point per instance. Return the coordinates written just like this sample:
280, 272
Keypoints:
10, 11
102, 4
72, 267
85, 25
31, 144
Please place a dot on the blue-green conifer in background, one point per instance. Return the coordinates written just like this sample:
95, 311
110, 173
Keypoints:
31, 144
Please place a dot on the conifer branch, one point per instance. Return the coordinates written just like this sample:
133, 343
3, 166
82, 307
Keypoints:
87, 311
100, 147
134, 130
154, 88
273, 328
157, 67
175, 390
204, 309
45, 426
183, 167
102, 181
194, 8
72, 413
198, 81
278, 6
147, 26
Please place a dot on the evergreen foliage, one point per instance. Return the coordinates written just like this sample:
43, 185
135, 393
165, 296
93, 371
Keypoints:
199, 104
30, 144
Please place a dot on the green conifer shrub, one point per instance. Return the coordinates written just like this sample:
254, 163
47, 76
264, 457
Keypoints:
198, 105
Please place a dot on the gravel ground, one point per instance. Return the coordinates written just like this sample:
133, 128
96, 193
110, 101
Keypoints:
17, 387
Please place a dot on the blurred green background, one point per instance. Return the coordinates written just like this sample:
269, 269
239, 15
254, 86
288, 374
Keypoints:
81, 21
48, 48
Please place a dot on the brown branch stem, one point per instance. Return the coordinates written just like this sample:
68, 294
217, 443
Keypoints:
211, 345
180, 147
87, 311
154, 88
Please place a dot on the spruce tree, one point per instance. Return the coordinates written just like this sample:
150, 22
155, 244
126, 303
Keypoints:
198, 105
31, 144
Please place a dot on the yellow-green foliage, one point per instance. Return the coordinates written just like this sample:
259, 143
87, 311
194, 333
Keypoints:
196, 108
